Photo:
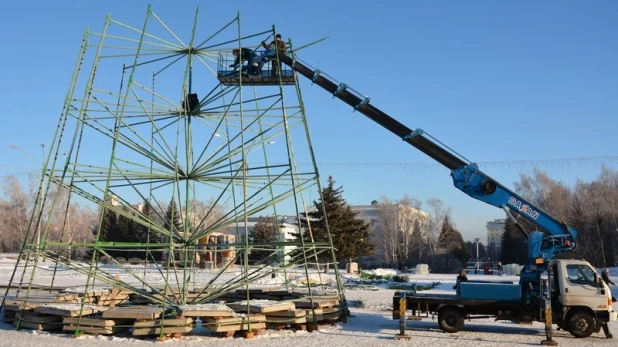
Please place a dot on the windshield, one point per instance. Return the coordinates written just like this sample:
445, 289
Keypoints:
580, 274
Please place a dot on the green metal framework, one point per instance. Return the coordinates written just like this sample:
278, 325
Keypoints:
126, 135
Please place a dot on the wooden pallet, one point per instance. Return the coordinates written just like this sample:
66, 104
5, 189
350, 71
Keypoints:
97, 326
68, 310
165, 326
317, 302
133, 312
262, 306
206, 310
234, 328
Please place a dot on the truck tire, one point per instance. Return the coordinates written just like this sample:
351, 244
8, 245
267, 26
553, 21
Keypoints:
581, 324
451, 319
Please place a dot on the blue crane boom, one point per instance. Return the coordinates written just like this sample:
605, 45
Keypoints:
467, 177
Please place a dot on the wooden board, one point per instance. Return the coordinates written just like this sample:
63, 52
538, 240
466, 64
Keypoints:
18, 305
67, 310
94, 330
295, 313
325, 316
262, 306
134, 312
8, 316
166, 322
34, 318
206, 310
157, 331
41, 326
287, 320
64, 297
253, 318
317, 303
235, 327
97, 322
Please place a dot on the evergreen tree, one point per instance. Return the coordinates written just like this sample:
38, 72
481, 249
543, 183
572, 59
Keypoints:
173, 220
451, 239
117, 228
514, 245
351, 236
108, 226
264, 231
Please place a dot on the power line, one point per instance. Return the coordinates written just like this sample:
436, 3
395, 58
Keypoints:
556, 163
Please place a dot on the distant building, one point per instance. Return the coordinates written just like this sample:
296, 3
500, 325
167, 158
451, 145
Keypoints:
495, 230
373, 215
288, 232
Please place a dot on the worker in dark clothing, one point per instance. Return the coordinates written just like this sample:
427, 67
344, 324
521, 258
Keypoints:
273, 51
605, 277
247, 55
462, 277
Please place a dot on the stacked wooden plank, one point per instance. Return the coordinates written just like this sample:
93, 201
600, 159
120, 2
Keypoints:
133, 312
276, 294
282, 319
267, 307
206, 310
162, 326
68, 309
12, 307
96, 325
103, 297
325, 307
317, 302
261, 306
45, 316
235, 323
38, 321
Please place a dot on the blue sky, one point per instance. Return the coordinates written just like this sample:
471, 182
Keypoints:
509, 84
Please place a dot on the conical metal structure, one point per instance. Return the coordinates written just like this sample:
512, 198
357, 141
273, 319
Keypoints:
149, 135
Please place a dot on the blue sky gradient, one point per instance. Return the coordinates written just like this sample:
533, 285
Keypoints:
509, 84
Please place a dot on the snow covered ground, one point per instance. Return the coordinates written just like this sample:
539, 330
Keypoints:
370, 325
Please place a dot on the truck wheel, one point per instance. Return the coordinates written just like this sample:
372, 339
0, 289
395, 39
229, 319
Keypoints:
450, 319
581, 324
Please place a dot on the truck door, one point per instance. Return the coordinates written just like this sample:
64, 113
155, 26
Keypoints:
580, 289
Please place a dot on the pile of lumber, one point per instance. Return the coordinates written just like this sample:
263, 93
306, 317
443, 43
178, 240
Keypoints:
271, 308
103, 297
158, 327
96, 325
236, 323
12, 307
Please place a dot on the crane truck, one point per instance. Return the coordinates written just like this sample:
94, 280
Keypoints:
580, 302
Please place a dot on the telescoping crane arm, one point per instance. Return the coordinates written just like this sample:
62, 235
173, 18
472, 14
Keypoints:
466, 175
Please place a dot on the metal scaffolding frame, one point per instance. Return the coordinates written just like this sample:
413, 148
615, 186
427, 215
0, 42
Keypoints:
131, 131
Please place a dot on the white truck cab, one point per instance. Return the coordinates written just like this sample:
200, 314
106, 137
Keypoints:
584, 301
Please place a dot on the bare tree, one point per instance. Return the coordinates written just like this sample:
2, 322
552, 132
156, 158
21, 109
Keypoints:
206, 214
402, 229
387, 231
14, 215
437, 213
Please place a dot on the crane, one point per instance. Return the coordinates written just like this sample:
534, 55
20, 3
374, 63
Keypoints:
555, 235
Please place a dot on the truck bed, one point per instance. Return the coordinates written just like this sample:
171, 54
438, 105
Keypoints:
429, 303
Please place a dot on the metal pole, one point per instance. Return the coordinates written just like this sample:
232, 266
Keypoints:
402, 318
38, 228
548, 319
476, 266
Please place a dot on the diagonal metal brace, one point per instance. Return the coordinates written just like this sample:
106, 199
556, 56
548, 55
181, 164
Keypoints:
412, 134
360, 104
341, 87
